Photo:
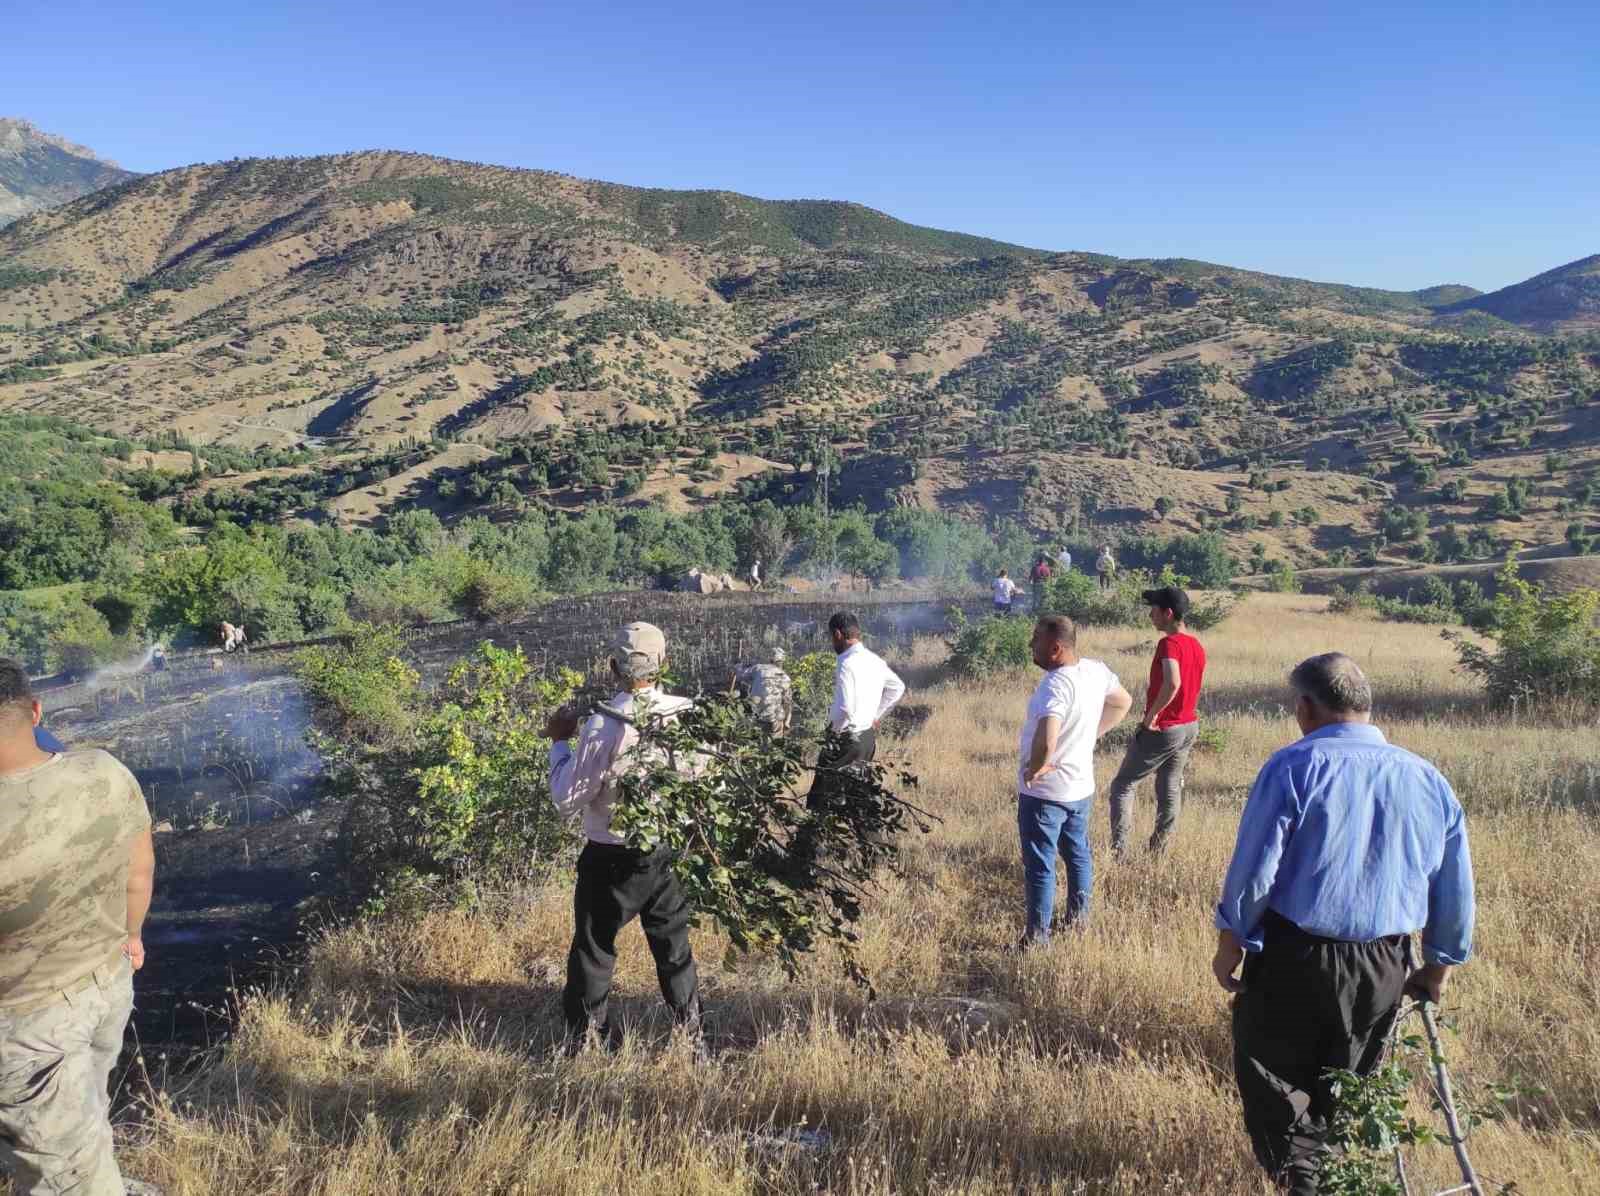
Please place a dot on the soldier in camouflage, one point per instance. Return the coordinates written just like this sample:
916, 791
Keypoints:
80, 865
768, 690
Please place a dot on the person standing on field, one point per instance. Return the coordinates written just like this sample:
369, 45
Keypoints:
1064, 559
864, 690
1105, 567
1171, 723
618, 883
80, 866
1040, 576
768, 690
1346, 846
1004, 591
1077, 702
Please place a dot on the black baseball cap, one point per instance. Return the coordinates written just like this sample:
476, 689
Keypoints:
1168, 598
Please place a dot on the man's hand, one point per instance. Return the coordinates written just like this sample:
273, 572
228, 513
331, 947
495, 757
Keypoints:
133, 952
563, 724
1031, 777
1230, 954
1427, 982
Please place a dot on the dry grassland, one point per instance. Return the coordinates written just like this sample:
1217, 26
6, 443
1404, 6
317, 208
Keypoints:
418, 1060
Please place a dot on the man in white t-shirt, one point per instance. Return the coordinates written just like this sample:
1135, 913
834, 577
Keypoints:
1078, 701
1004, 591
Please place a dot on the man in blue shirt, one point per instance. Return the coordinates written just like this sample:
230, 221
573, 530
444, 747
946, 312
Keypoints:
1346, 846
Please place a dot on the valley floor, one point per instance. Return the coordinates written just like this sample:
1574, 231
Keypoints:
419, 1058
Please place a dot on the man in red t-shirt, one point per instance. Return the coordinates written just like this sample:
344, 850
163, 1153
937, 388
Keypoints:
1166, 735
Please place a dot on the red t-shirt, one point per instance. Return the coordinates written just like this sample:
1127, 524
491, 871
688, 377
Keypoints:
1191, 658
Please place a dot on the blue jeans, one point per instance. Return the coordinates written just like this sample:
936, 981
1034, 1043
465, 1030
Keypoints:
1047, 828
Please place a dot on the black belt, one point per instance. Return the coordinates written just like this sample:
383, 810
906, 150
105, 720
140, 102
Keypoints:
1276, 929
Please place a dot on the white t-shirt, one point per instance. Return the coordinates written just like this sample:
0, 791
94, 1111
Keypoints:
1004, 587
1075, 694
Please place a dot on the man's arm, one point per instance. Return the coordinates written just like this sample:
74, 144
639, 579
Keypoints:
1447, 938
577, 777
1118, 702
1045, 734
893, 690
1263, 834
141, 884
1170, 680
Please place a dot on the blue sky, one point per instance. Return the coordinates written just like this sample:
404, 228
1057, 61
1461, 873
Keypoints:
1399, 144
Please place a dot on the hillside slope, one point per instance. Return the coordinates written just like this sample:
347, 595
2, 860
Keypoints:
608, 343
1566, 298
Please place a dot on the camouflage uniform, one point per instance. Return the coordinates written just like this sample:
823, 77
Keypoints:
770, 693
65, 988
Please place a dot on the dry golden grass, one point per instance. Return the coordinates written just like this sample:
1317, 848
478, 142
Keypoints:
418, 1059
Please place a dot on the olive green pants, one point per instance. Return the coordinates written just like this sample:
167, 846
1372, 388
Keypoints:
55, 1106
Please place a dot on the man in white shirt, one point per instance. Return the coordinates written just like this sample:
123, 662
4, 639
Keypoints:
1004, 591
1077, 702
1064, 559
864, 690
617, 883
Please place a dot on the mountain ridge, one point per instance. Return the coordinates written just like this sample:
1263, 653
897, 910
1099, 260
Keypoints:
594, 342
39, 170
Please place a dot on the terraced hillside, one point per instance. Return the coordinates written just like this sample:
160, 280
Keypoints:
465, 336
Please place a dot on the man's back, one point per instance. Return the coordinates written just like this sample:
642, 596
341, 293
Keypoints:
1367, 827
65, 827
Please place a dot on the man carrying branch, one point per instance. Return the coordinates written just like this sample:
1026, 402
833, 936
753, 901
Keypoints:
1347, 845
617, 883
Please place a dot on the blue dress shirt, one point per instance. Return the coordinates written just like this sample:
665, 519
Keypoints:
1350, 837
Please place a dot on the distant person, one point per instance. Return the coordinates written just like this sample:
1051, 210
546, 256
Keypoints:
1064, 559
158, 659
768, 690
1004, 591
1105, 568
73, 899
1077, 702
618, 883
865, 689
1346, 846
1171, 723
1040, 577
755, 574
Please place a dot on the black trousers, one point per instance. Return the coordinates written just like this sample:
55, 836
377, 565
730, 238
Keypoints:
615, 885
859, 748
1310, 1005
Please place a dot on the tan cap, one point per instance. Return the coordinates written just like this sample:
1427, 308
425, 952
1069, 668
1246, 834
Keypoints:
640, 650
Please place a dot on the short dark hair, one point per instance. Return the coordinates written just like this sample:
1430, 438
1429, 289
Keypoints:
1334, 682
845, 623
1062, 629
16, 691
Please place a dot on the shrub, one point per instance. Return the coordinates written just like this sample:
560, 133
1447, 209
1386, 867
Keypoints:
752, 858
443, 796
1546, 645
362, 687
1348, 601
991, 644
811, 679
491, 594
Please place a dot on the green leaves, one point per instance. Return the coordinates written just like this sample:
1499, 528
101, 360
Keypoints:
772, 874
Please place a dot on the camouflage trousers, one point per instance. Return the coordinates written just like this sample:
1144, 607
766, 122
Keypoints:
55, 1109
